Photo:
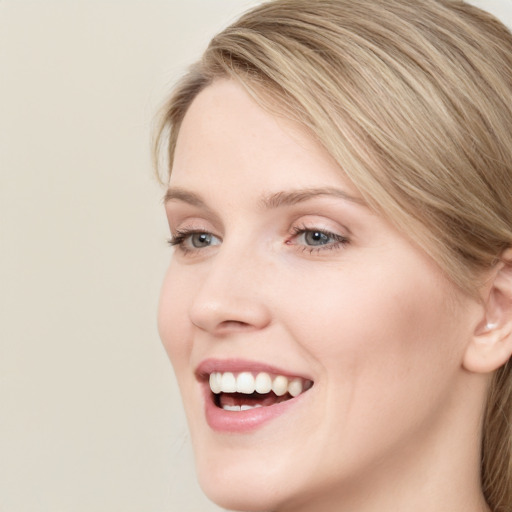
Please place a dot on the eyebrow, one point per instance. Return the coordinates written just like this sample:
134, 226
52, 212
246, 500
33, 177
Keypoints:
181, 194
268, 201
275, 200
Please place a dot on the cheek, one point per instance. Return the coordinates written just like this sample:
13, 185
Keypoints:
383, 312
380, 340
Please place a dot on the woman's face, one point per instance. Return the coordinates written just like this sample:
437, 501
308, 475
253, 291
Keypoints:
282, 276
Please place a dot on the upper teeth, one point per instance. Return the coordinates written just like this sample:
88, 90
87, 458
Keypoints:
248, 383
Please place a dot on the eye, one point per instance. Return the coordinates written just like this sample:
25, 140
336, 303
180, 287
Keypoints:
314, 239
190, 240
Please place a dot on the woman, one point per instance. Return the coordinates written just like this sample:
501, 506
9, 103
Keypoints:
338, 307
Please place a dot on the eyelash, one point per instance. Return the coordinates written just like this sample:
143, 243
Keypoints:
180, 238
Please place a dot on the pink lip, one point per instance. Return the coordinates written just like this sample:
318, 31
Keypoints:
243, 421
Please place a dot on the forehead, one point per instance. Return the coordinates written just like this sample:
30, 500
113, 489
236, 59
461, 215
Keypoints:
227, 136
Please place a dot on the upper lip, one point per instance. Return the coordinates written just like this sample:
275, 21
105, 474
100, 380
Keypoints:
208, 366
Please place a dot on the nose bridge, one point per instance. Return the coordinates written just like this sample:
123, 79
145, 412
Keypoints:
230, 295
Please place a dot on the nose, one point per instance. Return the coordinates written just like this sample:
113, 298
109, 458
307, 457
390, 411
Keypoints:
230, 297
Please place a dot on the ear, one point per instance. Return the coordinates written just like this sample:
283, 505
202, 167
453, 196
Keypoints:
491, 343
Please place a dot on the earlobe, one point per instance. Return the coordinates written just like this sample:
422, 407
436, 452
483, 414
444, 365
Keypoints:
491, 344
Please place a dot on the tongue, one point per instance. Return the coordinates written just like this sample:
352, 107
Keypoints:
254, 399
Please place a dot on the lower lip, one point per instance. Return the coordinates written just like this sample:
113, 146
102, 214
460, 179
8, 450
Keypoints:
244, 421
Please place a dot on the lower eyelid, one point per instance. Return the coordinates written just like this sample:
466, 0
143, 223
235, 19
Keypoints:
311, 249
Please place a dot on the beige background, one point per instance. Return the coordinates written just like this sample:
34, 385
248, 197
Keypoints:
90, 418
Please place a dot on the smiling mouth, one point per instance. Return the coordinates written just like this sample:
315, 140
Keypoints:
236, 392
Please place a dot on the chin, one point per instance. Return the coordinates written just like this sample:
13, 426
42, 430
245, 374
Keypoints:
250, 493
247, 483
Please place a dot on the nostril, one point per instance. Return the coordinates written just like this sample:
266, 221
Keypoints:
234, 325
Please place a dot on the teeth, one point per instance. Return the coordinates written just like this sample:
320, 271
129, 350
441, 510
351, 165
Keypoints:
231, 407
245, 383
238, 408
280, 385
228, 383
247, 407
295, 387
263, 383
215, 383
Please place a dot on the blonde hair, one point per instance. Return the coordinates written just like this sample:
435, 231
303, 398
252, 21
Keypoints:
413, 98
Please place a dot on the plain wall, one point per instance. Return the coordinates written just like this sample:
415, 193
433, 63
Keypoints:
90, 417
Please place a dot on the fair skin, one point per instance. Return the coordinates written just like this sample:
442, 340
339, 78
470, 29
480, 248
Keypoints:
280, 267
